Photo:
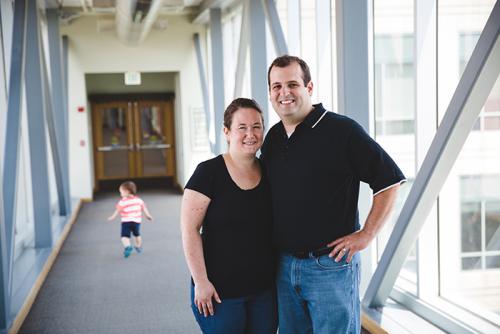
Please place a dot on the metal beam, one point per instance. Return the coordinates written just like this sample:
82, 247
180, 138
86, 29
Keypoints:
275, 25
217, 75
242, 52
204, 88
203, 15
10, 158
355, 86
57, 113
258, 56
7, 18
355, 60
65, 50
35, 103
472, 91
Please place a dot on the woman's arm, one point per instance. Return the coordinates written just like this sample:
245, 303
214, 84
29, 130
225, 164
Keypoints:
193, 209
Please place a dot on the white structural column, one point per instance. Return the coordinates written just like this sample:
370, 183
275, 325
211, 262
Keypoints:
258, 56
204, 88
473, 89
293, 27
217, 74
324, 77
355, 87
35, 103
242, 51
425, 55
275, 26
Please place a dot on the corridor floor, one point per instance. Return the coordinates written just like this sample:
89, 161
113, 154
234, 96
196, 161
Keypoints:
92, 288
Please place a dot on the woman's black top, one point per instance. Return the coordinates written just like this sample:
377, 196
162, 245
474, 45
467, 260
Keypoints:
236, 232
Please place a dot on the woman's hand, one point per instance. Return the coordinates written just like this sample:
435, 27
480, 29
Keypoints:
204, 294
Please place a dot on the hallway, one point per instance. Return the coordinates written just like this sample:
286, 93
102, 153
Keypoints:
93, 289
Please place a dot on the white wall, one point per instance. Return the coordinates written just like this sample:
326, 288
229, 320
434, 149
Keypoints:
171, 50
80, 163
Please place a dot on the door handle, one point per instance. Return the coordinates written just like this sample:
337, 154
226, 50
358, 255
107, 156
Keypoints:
114, 148
153, 146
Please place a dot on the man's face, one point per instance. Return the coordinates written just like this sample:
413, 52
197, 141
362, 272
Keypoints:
287, 93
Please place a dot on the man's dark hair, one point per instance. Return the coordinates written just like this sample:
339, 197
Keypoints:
238, 103
284, 61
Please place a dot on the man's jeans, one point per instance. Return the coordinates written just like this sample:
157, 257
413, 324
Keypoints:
318, 295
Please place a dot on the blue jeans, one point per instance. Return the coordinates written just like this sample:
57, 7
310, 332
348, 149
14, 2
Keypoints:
254, 314
318, 295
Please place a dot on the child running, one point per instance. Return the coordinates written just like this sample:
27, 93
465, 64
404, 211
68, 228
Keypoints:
130, 208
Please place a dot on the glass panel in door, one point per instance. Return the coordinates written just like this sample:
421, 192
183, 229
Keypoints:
113, 142
152, 139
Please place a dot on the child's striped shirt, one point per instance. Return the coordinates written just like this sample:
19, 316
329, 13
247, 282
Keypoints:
130, 208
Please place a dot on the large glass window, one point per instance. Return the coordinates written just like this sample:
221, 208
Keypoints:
395, 106
469, 202
469, 224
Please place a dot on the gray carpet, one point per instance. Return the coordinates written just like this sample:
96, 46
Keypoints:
93, 289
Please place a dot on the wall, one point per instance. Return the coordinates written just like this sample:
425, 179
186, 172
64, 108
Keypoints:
114, 83
171, 50
81, 171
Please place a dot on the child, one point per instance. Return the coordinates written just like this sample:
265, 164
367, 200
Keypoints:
130, 208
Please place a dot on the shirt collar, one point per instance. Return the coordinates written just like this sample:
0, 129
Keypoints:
315, 115
311, 120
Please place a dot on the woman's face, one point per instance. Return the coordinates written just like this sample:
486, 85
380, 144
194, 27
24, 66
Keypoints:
246, 132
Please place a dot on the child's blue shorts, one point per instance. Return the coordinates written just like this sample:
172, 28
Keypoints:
128, 227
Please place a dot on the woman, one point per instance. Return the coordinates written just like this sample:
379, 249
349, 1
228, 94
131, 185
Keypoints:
232, 260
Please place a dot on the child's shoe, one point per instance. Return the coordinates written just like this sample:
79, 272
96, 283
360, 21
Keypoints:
138, 249
127, 251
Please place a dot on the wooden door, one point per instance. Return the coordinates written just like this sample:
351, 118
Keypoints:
134, 139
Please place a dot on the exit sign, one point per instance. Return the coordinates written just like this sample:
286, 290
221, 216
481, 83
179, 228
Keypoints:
132, 78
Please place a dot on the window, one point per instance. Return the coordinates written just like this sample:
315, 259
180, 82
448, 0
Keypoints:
394, 85
480, 222
489, 118
395, 108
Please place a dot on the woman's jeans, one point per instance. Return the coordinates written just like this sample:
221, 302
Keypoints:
318, 295
255, 314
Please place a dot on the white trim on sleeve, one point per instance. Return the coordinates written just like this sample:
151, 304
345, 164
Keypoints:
392, 185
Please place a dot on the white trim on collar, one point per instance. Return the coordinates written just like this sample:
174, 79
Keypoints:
312, 127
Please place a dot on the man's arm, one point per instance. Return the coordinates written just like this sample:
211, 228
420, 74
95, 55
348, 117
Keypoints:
359, 240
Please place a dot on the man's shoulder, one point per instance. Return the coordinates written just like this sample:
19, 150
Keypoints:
333, 119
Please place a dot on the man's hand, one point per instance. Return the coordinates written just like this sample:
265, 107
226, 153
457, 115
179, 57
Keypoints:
359, 240
350, 244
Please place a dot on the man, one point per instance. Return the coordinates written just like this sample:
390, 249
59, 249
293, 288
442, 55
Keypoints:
315, 160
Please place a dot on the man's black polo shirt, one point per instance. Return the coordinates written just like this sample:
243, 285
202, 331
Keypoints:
315, 175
